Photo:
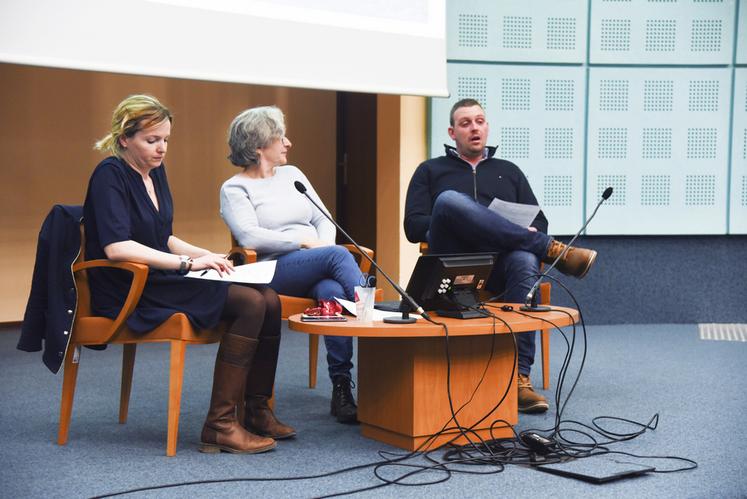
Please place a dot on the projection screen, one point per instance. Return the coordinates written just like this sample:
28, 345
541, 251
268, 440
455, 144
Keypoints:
375, 46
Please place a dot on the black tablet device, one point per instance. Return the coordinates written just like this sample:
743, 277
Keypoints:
596, 469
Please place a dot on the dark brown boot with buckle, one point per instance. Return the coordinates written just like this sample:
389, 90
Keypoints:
530, 402
575, 262
222, 431
258, 415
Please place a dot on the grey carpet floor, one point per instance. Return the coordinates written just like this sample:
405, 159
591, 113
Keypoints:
632, 371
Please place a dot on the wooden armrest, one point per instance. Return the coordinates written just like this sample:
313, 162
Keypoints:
139, 276
363, 262
423, 248
241, 256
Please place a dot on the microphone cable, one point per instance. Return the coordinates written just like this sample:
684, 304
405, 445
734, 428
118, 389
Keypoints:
480, 456
417, 469
395, 459
563, 447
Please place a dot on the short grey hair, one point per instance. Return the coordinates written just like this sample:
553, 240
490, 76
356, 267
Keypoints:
254, 129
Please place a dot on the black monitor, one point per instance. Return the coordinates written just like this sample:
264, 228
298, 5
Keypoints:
449, 284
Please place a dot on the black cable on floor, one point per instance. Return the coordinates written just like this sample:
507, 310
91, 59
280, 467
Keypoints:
483, 457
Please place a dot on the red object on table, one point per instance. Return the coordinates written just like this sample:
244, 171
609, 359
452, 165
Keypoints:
326, 307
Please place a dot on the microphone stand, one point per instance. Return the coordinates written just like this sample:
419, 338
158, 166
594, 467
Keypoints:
405, 318
530, 302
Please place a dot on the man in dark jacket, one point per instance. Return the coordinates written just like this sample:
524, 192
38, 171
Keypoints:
447, 207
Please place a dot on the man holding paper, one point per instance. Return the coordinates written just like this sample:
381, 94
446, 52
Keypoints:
468, 201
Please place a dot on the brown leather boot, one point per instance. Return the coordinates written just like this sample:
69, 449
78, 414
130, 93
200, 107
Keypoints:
530, 401
222, 430
258, 415
575, 262
260, 419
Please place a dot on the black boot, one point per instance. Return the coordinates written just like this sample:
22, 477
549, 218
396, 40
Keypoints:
343, 404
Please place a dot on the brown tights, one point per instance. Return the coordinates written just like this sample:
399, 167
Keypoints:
252, 311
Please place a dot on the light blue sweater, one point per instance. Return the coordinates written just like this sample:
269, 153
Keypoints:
270, 216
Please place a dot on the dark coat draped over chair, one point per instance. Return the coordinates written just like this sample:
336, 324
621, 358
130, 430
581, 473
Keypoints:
52, 302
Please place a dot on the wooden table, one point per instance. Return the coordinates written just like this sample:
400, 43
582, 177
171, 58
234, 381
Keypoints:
402, 394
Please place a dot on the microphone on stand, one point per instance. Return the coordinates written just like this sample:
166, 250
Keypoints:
530, 303
393, 320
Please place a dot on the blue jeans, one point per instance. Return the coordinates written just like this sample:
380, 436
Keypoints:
461, 225
322, 273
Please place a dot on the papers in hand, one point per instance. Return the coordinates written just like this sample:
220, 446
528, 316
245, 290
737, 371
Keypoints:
520, 214
251, 273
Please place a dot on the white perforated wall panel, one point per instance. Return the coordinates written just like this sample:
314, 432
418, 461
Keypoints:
659, 137
644, 104
536, 119
661, 31
738, 214
516, 30
741, 34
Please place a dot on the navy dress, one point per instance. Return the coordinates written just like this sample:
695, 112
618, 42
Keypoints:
118, 208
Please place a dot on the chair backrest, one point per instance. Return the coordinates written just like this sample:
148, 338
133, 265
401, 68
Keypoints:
81, 280
234, 255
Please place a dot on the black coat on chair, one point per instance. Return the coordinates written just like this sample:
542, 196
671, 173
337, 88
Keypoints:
52, 302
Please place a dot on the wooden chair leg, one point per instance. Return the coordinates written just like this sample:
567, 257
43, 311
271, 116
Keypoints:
128, 365
313, 356
70, 376
545, 291
176, 379
545, 341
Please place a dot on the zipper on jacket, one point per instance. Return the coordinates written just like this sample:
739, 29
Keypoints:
474, 180
76, 358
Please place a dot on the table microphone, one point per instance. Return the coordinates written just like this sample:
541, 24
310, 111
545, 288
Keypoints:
394, 320
530, 303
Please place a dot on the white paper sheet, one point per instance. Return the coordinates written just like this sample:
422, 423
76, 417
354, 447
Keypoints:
378, 315
251, 273
520, 214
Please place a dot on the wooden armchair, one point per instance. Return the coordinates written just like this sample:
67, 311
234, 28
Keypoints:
292, 305
95, 330
545, 290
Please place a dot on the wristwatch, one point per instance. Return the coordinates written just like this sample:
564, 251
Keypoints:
185, 264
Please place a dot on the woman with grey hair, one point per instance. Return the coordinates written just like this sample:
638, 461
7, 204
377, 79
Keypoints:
265, 212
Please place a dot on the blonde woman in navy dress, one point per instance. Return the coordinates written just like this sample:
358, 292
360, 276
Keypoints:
128, 215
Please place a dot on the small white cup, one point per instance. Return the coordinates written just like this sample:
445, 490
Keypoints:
364, 303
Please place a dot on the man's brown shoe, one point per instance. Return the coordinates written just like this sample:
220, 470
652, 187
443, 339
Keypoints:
529, 400
575, 261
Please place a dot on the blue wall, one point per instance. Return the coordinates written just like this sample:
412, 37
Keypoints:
662, 279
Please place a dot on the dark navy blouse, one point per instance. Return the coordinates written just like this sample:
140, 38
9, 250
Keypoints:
118, 208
